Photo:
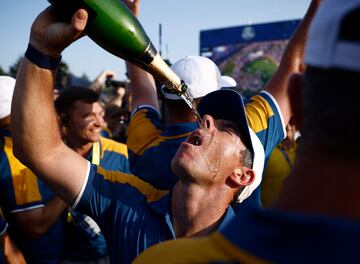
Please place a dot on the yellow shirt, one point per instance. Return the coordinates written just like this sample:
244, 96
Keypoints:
278, 168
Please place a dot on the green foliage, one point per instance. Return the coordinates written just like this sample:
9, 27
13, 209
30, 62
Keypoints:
2, 72
15, 67
228, 69
85, 77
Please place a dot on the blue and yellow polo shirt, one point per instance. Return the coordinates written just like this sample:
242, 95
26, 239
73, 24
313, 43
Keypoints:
110, 155
21, 190
84, 240
265, 119
152, 145
266, 236
132, 214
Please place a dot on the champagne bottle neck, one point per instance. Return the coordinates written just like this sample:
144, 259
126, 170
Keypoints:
161, 71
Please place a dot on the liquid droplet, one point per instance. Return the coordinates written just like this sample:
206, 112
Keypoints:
191, 103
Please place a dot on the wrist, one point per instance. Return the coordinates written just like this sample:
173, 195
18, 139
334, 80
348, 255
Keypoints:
42, 60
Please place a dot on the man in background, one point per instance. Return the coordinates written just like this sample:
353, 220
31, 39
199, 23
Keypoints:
81, 116
30, 207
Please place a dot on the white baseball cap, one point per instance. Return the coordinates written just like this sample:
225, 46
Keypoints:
333, 40
228, 104
200, 74
7, 85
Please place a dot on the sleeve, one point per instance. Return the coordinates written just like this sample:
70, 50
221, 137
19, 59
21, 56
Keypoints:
145, 127
96, 194
266, 121
3, 224
20, 185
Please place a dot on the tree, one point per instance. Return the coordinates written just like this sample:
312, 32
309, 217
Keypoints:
2, 72
15, 67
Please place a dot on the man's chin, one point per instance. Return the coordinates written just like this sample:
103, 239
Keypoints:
93, 139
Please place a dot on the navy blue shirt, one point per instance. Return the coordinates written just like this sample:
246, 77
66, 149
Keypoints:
21, 190
131, 213
84, 240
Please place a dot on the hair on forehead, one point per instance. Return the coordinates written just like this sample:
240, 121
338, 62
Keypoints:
68, 97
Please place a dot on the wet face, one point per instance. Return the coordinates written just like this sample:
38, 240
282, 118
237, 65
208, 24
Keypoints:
85, 122
209, 154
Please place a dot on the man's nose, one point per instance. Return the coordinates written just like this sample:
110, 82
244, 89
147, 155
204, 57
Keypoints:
99, 120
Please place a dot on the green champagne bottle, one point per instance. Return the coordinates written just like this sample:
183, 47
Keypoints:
113, 27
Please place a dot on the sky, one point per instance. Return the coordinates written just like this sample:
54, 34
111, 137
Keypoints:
182, 21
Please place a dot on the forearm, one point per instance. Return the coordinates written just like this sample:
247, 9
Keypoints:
32, 111
37, 222
36, 136
142, 86
116, 100
291, 62
53, 210
294, 52
11, 252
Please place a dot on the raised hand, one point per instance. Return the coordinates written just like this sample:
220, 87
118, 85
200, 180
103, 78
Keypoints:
133, 5
51, 37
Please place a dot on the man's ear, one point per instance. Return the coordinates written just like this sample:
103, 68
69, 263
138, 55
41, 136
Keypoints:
242, 177
295, 95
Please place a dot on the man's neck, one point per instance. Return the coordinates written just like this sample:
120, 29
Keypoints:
320, 184
195, 211
82, 149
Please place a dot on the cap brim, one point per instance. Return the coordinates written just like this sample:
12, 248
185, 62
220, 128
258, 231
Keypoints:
228, 105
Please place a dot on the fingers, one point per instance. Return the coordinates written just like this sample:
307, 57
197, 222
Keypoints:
79, 19
77, 26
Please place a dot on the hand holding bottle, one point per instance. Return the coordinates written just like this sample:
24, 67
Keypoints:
51, 37
116, 29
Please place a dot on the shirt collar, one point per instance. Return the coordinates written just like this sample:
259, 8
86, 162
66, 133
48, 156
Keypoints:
228, 216
163, 207
5, 132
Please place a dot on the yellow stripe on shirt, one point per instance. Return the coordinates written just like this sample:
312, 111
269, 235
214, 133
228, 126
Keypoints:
111, 145
197, 250
152, 194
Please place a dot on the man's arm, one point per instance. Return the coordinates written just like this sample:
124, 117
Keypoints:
142, 84
142, 87
99, 83
291, 62
11, 252
36, 222
37, 141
